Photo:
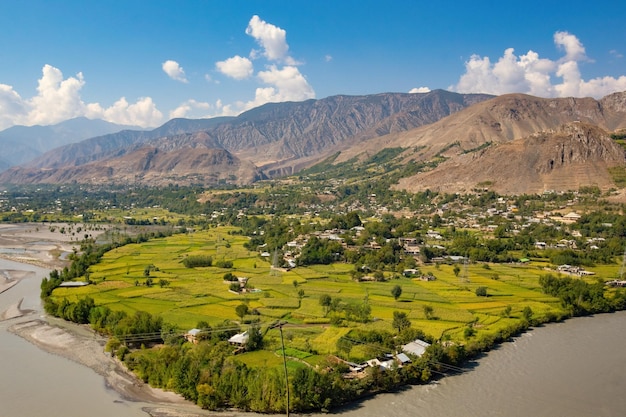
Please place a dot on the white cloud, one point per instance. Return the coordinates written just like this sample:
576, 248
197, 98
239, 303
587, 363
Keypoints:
236, 67
328, 58
59, 99
285, 84
174, 71
188, 107
574, 49
419, 90
141, 113
533, 75
13, 108
271, 38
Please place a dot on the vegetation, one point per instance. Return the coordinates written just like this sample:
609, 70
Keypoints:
340, 275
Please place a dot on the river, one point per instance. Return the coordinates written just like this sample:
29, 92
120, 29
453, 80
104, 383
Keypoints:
36, 383
571, 369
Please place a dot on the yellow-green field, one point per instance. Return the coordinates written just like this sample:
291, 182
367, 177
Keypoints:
200, 294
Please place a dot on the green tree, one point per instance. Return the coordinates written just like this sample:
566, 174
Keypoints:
456, 270
428, 312
241, 310
400, 321
255, 338
396, 291
325, 301
527, 312
481, 291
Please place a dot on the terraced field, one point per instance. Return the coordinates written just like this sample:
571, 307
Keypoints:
184, 296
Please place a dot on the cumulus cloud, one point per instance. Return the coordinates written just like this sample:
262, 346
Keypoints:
284, 84
419, 90
189, 106
271, 38
142, 113
236, 67
59, 99
174, 71
13, 108
281, 79
531, 74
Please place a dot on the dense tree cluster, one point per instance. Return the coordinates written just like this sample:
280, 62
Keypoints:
580, 297
197, 261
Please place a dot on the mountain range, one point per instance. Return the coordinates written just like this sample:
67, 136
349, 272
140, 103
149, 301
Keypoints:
512, 144
20, 144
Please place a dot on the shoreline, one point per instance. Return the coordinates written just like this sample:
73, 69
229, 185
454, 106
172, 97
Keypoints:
74, 342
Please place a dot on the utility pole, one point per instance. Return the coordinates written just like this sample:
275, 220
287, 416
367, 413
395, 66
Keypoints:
282, 343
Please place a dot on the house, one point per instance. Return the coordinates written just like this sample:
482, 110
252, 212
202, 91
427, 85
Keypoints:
416, 347
239, 339
192, 335
410, 272
73, 284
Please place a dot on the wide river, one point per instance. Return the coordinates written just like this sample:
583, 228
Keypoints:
571, 369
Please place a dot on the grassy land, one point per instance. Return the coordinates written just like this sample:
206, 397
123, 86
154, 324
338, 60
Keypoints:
200, 294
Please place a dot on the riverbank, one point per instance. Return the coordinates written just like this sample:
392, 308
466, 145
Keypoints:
38, 245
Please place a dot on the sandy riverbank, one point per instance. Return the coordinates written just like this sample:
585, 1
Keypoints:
80, 344
38, 245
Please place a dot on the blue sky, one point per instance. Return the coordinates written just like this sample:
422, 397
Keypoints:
144, 62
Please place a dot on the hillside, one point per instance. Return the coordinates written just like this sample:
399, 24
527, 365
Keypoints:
567, 158
159, 163
279, 138
20, 144
511, 144
507, 143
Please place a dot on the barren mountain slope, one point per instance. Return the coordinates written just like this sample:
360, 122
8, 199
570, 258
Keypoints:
573, 155
190, 159
499, 120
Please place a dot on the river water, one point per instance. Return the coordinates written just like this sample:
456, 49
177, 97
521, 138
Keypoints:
571, 369
36, 383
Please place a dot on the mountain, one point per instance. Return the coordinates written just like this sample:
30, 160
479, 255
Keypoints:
20, 144
514, 144
569, 157
192, 159
278, 138
511, 144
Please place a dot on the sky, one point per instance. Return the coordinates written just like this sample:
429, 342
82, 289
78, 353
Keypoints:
143, 62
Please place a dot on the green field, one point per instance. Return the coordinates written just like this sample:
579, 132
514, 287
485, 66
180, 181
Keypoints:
198, 294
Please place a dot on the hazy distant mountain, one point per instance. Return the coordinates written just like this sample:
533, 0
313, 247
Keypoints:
19, 144
278, 138
117, 144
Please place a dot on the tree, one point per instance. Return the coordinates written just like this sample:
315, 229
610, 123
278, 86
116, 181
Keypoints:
400, 321
241, 310
396, 291
481, 291
428, 312
325, 301
255, 338
456, 270
527, 312
300, 294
